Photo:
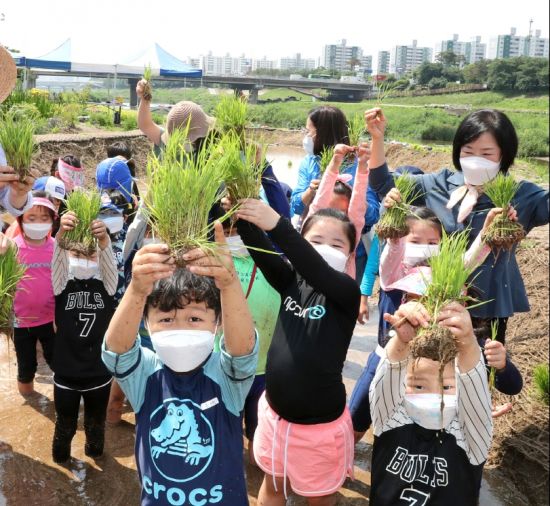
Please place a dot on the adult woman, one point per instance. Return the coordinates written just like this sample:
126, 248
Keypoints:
485, 143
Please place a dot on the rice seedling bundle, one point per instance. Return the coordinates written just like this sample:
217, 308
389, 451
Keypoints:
242, 169
232, 116
449, 278
181, 192
148, 88
11, 272
542, 383
325, 158
86, 205
503, 233
393, 223
356, 129
17, 140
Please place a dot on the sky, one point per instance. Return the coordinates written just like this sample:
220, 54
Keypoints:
115, 31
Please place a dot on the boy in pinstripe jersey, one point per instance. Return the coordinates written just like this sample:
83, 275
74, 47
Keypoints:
430, 446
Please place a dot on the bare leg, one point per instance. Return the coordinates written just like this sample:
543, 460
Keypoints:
326, 500
357, 436
251, 457
25, 388
268, 496
114, 408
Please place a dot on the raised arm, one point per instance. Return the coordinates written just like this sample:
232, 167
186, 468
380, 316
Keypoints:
391, 262
274, 193
358, 203
144, 119
15, 197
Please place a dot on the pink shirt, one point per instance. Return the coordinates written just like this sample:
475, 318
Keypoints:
34, 300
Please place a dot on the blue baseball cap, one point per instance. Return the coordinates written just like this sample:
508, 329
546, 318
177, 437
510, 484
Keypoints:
114, 174
53, 186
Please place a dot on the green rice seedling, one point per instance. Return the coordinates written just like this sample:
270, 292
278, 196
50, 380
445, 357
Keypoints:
148, 88
393, 223
493, 371
449, 281
356, 129
503, 233
383, 90
17, 140
242, 169
232, 116
180, 194
86, 205
11, 272
541, 382
325, 158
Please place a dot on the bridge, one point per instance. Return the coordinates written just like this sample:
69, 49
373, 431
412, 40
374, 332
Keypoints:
338, 91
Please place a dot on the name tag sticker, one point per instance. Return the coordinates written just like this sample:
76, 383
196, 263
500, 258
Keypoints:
209, 404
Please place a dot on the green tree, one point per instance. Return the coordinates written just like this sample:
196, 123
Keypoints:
427, 71
448, 58
476, 73
502, 74
437, 82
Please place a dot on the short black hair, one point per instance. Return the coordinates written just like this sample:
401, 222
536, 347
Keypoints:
494, 122
343, 189
182, 288
422, 213
331, 125
119, 148
349, 227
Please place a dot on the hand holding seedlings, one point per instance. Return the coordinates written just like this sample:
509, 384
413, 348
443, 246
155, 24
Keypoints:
456, 318
5, 243
140, 87
363, 155
495, 353
413, 313
99, 231
402, 322
151, 263
217, 265
22, 187
258, 213
339, 153
392, 197
496, 211
376, 122
68, 222
7, 175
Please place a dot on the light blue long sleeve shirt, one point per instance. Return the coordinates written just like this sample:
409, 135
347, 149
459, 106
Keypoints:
5, 193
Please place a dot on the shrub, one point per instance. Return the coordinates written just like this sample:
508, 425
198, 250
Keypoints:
438, 133
24, 110
532, 143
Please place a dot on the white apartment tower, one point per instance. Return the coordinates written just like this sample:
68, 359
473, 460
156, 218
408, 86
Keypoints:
404, 59
297, 62
341, 57
475, 50
383, 63
512, 45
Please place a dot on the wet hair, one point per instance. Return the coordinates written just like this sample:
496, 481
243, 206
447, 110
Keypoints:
342, 189
70, 159
38, 194
494, 122
182, 288
347, 225
331, 125
426, 215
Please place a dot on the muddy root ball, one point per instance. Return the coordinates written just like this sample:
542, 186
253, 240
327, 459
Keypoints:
391, 232
435, 343
147, 92
503, 234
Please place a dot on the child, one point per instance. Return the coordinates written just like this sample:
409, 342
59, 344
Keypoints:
84, 288
34, 299
334, 192
399, 258
121, 150
304, 437
69, 169
429, 448
187, 399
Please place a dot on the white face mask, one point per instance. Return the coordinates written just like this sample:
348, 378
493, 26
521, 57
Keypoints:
149, 240
183, 350
113, 223
82, 268
335, 258
478, 170
236, 246
36, 231
418, 253
425, 410
308, 144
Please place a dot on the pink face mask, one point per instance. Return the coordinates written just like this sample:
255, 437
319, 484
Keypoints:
72, 176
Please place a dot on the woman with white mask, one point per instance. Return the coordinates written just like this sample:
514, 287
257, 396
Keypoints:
485, 144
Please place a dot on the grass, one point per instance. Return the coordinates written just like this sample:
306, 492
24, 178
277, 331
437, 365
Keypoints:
86, 205
181, 192
17, 140
11, 272
326, 157
541, 382
232, 116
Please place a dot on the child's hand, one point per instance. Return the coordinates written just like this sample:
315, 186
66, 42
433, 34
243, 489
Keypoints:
68, 222
5, 243
340, 152
151, 263
140, 88
363, 155
260, 214
493, 213
456, 318
375, 122
412, 312
218, 266
23, 187
314, 185
495, 353
363, 316
99, 231
7, 175
392, 197
501, 409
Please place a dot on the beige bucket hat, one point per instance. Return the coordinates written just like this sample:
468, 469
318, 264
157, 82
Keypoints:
8, 74
182, 112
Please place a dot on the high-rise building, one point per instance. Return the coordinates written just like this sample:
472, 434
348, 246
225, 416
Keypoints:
512, 45
263, 63
383, 63
297, 62
341, 57
470, 52
475, 50
404, 59
225, 65
365, 66
451, 45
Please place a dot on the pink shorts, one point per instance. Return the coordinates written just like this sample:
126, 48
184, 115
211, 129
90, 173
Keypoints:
316, 459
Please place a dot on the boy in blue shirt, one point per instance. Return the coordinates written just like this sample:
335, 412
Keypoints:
187, 399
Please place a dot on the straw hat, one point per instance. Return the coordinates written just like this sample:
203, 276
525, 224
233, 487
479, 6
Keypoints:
8, 74
179, 115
